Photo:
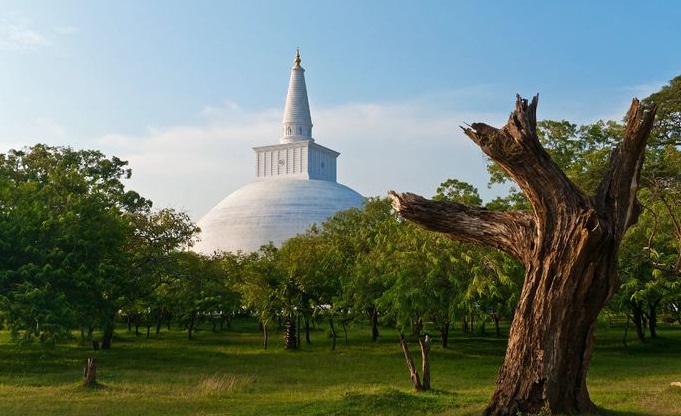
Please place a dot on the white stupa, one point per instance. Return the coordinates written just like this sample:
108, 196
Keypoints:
295, 186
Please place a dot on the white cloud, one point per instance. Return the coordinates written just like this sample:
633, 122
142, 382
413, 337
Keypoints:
401, 146
17, 36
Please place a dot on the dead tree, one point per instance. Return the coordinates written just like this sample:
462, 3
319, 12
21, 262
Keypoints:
568, 244
90, 373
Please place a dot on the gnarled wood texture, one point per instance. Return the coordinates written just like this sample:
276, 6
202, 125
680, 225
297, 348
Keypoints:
568, 245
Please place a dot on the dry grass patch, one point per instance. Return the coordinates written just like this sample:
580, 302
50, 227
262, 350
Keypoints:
221, 384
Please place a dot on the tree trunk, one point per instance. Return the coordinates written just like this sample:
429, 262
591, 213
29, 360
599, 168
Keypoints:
568, 244
652, 317
299, 343
90, 373
107, 337
344, 324
444, 335
373, 321
425, 344
264, 335
497, 329
290, 334
637, 312
413, 374
190, 326
306, 320
333, 333
425, 361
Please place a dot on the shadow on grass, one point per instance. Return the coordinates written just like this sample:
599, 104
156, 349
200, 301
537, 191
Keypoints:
606, 412
392, 401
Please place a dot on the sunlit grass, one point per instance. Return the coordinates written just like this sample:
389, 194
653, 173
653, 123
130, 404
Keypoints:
229, 373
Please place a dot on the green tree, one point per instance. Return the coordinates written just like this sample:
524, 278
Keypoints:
75, 245
199, 288
62, 237
353, 235
304, 258
260, 285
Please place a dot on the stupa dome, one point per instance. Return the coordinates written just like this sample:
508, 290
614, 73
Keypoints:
295, 186
274, 210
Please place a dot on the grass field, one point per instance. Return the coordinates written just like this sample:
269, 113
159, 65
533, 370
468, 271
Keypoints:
228, 373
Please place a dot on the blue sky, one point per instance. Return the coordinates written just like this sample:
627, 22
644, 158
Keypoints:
184, 89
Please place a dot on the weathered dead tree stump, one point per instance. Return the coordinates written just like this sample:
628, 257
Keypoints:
90, 373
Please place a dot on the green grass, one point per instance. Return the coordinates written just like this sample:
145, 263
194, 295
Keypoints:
228, 373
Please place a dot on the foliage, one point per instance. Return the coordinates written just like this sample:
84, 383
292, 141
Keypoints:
75, 245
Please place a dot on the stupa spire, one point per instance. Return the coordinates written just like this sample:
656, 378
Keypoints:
297, 123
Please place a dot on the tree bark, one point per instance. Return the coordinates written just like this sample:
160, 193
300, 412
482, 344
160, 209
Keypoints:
413, 374
652, 317
190, 325
333, 333
637, 312
372, 313
495, 319
290, 334
444, 335
568, 244
107, 337
424, 343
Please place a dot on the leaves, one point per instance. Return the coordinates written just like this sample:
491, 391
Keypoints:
70, 232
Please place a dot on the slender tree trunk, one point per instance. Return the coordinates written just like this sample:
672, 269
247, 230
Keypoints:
345, 331
190, 326
107, 337
291, 336
306, 319
264, 334
333, 333
637, 312
108, 332
161, 315
652, 318
568, 244
373, 321
413, 373
444, 335
299, 343
90, 332
424, 343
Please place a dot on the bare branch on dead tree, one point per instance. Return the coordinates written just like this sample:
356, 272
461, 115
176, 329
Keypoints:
568, 244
